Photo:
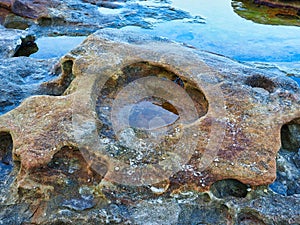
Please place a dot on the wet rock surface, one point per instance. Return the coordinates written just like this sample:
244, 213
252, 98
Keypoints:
51, 177
21, 77
84, 17
269, 11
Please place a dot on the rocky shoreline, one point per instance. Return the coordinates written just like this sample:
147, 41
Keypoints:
54, 111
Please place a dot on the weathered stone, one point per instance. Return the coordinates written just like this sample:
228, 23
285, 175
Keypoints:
269, 11
240, 113
21, 77
5, 4
85, 17
16, 22
254, 112
3, 14
279, 4
9, 41
31, 8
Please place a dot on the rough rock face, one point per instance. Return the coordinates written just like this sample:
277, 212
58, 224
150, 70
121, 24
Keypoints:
269, 11
279, 4
83, 158
83, 17
20, 77
9, 42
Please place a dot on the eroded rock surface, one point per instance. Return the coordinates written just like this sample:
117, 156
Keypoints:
59, 175
71, 17
278, 12
21, 77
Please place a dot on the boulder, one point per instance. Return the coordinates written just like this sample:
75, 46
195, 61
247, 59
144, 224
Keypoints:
144, 117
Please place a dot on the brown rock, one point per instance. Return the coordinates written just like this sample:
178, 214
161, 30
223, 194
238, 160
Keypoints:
31, 8
5, 4
236, 132
279, 4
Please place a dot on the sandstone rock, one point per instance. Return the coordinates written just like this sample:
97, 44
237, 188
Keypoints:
269, 11
31, 8
234, 134
279, 4
248, 117
6, 4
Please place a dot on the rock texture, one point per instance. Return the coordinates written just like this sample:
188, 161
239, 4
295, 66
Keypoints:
59, 176
269, 11
71, 17
20, 76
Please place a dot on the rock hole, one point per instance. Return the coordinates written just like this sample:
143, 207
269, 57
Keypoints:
8, 168
66, 174
16, 22
136, 71
248, 218
259, 81
288, 161
290, 135
58, 87
27, 47
229, 187
150, 118
6, 145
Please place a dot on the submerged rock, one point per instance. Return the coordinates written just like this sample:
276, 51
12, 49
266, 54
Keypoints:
110, 136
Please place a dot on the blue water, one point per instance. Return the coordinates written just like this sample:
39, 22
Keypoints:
297, 79
228, 34
52, 47
224, 32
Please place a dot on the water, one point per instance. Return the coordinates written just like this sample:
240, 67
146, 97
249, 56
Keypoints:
52, 47
297, 79
150, 115
228, 34
224, 32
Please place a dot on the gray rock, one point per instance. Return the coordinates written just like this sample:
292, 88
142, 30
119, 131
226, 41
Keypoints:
9, 41
21, 77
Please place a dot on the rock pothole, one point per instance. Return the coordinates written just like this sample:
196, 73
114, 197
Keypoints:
229, 187
139, 70
249, 218
259, 81
6, 145
59, 86
67, 175
151, 116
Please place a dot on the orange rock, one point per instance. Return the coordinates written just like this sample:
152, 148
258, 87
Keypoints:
236, 134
